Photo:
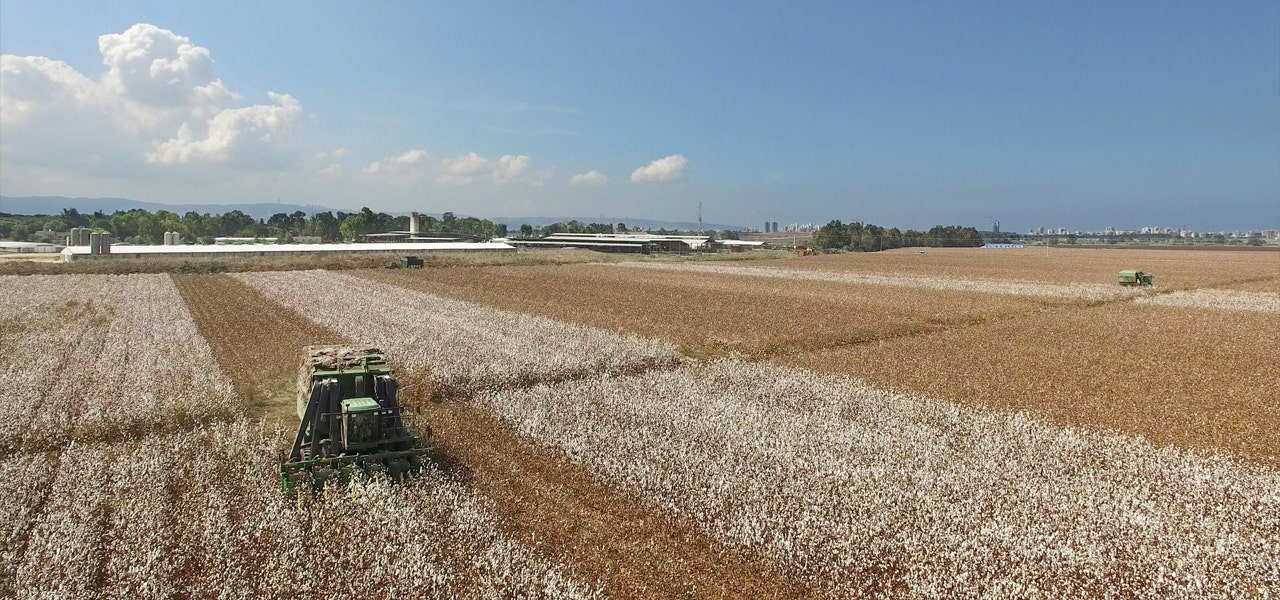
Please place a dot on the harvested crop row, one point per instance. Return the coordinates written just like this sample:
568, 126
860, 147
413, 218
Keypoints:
1205, 379
865, 492
130, 520
1084, 291
1174, 269
99, 357
236, 320
1218, 299
1260, 284
466, 347
712, 315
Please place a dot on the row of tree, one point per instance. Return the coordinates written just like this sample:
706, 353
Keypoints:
529, 231
140, 226
861, 237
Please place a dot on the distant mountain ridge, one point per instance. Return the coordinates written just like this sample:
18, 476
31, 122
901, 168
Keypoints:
53, 205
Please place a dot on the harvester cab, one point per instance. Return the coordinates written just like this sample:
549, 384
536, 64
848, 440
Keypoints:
351, 422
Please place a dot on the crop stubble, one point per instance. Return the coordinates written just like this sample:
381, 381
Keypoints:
238, 322
712, 315
1174, 269
1203, 378
1197, 378
608, 535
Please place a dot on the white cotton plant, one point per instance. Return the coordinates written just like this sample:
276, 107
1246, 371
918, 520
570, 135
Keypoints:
1032, 289
201, 514
1232, 300
865, 492
104, 357
465, 347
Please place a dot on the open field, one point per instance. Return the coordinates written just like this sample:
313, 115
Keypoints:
1085, 291
36, 264
862, 491
1264, 302
199, 515
608, 535
1197, 378
1174, 269
714, 315
463, 346
988, 444
96, 358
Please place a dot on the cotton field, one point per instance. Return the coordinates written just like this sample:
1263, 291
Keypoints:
1083, 291
466, 347
102, 357
200, 514
866, 490
867, 435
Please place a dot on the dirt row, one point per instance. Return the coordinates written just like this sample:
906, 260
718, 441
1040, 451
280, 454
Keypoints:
629, 546
256, 342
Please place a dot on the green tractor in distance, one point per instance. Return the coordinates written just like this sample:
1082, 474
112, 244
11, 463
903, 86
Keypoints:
351, 422
1136, 278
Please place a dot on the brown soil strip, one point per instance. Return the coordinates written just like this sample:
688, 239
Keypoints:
627, 545
620, 540
258, 343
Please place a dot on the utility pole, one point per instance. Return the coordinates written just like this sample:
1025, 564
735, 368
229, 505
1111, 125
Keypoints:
699, 218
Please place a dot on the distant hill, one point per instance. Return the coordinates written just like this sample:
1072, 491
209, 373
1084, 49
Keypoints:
53, 205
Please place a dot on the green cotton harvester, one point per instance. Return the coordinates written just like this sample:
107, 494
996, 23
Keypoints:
351, 422
1136, 278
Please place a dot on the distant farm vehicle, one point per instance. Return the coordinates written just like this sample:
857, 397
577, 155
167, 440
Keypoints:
406, 262
351, 422
1136, 278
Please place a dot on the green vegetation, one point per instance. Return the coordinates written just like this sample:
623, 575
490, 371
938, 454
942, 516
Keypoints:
140, 226
872, 238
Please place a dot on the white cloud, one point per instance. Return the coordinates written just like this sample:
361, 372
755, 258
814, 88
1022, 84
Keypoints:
153, 66
509, 169
666, 169
590, 178
400, 167
332, 171
243, 130
338, 154
464, 170
158, 102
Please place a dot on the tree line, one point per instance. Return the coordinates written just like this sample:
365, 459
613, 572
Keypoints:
860, 237
575, 226
140, 226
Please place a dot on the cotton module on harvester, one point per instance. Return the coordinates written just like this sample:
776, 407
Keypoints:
351, 421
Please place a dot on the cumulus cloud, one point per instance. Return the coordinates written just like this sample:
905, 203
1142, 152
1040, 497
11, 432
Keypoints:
154, 66
590, 178
158, 102
662, 170
467, 169
238, 131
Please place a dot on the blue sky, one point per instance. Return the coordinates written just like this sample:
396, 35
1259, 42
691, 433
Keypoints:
910, 114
